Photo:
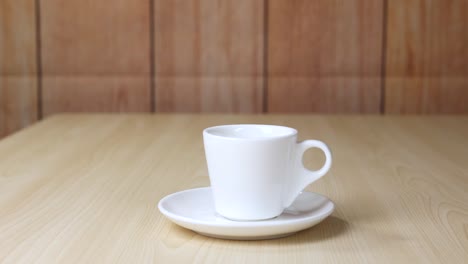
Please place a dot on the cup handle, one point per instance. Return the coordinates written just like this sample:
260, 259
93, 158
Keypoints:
303, 176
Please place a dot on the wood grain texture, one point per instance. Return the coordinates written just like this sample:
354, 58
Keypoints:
18, 102
18, 81
95, 37
17, 37
324, 56
91, 183
427, 57
89, 47
96, 94
209, 55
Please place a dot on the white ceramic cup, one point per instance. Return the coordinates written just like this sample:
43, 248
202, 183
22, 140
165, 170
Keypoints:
256, 171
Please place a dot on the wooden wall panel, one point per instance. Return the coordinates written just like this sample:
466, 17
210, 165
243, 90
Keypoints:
18, 102
95, 55
325, 55
209, 55
18, 81
97, 94
427, 56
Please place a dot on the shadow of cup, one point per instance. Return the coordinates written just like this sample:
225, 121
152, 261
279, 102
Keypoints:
330, 228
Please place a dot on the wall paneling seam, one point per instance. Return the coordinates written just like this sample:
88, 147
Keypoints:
383, 61
152, 59
37, 12
265, 56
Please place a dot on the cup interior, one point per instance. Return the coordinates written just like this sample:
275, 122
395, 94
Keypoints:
250, 131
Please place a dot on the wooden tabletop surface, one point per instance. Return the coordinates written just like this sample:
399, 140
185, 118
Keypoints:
85, 188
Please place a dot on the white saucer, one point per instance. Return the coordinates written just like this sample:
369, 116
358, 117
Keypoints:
194, 209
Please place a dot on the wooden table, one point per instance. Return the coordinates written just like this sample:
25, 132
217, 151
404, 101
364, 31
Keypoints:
85, 188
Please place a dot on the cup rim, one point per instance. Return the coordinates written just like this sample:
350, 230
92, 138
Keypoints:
292, 132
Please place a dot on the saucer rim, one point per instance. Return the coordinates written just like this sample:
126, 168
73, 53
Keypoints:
322, 213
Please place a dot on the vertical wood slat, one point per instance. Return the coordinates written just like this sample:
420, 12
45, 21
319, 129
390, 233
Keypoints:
209, 55
18, 80
95, 55
325, 56
427, 57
